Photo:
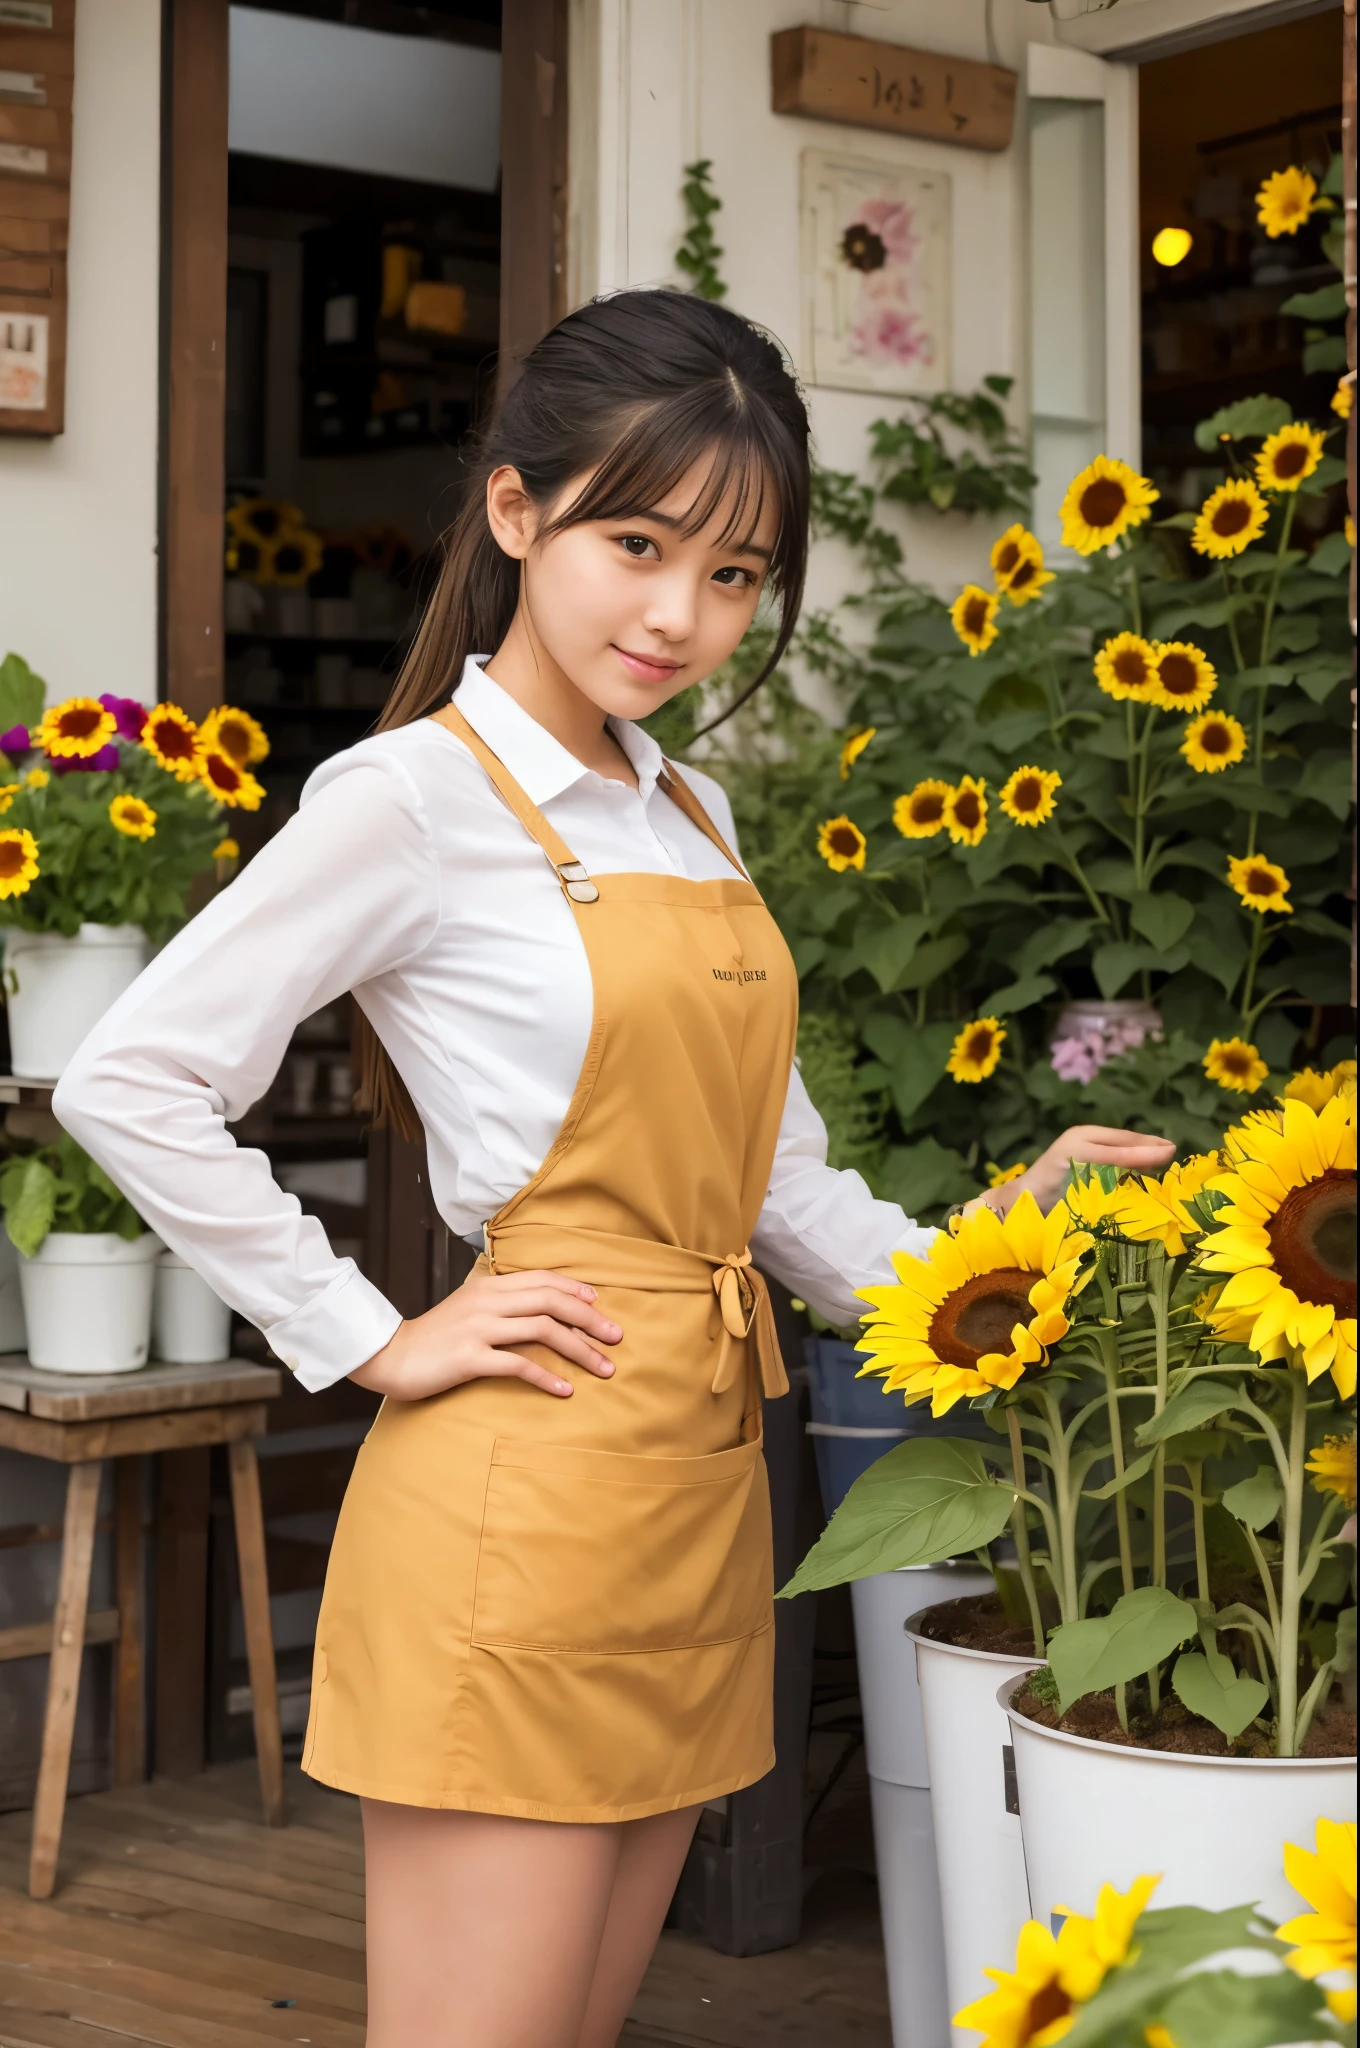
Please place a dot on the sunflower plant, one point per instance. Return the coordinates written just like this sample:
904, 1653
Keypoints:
109, 811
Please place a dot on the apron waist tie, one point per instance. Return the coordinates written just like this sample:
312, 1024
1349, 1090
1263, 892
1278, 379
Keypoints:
744, 1304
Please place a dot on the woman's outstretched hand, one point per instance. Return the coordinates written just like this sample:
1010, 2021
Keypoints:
472, 1335
1083, 1144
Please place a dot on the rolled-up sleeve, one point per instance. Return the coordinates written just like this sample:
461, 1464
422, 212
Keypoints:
347, 891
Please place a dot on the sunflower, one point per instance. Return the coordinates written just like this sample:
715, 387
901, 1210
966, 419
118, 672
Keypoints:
171, 737
1235, 1064
841, 844
226, 849
1028, 580
1260, 883
920, 813
1325, 1877
1230, 519
1332, 1466
18, 862
976, 1050
295, 558
1285, 200
262, 520
850, 752
1018, 564
1343, 398
8, 792
1315, 1089
229, 782
1125, 668
1215, 740
37, 778
997, 1176
74, 730
973, 614
1153, 1210
965, 812
133, 818
1102, 502
1184, 679
1027, 798
1287, 1237
236, 733
985, 1303
1289, 457
1055, 1975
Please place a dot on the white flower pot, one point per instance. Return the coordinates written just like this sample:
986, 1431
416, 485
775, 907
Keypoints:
984, 1900
13, 1336
87, 1301
190, 1325
894, 1745
1094, 1813
56, 990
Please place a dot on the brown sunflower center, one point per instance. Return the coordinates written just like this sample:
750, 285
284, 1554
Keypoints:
1230, 517
1178, 674
1260, 882
1025, 574
979, 1316
975, 615
11, 858
1130, 667
289, 559
842, 840
1312, 1240
266, 521
1103, 501
1008, 558
80, 721
927, 809
1290, 459
1216, 739
1028, 793
1052, 2003
1234, 1061
173, 739
968, 810
233, 739
248, 556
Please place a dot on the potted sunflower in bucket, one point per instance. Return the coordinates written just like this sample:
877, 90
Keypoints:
109, 811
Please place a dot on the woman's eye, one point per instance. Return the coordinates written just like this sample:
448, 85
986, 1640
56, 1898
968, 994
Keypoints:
636, 545
733, 578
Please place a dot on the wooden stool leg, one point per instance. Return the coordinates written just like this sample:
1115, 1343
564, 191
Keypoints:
63, 1675
129, 1695
264, 1686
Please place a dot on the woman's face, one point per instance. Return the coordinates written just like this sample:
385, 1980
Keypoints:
634, 610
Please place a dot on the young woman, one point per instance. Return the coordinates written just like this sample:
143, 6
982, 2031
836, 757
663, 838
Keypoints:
546, 1637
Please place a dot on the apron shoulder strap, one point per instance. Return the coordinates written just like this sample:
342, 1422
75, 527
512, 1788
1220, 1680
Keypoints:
576, 883
680, 794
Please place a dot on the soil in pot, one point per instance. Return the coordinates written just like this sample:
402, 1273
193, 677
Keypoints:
977, 1622
1176, 1729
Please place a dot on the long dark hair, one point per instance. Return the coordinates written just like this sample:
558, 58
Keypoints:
635, 389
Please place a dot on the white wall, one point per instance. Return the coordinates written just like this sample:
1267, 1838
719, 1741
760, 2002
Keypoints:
78, 513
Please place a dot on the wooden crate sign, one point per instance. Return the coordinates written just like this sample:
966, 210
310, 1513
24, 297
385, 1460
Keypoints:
37, 76
829, 77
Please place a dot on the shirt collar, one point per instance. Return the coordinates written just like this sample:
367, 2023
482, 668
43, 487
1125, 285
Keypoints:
541, 765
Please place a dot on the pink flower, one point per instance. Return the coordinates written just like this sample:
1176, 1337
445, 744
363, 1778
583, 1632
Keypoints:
1077, 1059
894, 224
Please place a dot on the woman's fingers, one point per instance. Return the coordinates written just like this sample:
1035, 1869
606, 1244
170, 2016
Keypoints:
509, 1365
1100, 1145
569, 1301
544, 1329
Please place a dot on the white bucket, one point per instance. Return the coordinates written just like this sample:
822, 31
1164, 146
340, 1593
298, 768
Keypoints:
13, 1336
87, 1301
1096, 1813
984, 1899
895, 1751
56, 990
190, 1325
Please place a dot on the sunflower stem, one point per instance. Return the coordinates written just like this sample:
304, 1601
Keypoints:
1140, 802
1253, 962
1158, 1290
1079, 875
1109, 1350
1232, 622
1291, 1598
1196, 1473
1024, 1561
1135, 596
1258, 752
1066, 1505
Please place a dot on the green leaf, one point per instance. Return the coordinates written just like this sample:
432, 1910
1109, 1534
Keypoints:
22, 694
1176, 1936
808, 952
1022, 994
887, 951
1120, 1481
1319, 675
931, 960
1162, 918
1327, 353
914, 1055
927, 1499
1052, 942
1263, 678
1327, 780
1246, 420
1343, 1657
30, 1199
1331, 556
1197, 1403
1256, 1500
1115, 964
1228, 1698
1141, 1629
1328, 302
1220, 2009
926, 1176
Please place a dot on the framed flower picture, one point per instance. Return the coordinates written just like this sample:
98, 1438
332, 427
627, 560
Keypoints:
876, 247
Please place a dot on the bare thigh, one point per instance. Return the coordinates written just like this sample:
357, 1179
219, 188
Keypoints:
483, 1931
651, 1854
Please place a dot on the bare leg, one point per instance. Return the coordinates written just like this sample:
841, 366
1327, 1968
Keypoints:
483, 1931
649, 1864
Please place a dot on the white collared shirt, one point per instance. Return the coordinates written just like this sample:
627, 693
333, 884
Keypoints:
404, 878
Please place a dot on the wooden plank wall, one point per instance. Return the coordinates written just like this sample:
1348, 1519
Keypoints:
35, 211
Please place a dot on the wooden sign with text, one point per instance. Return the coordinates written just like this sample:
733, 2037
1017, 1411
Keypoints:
828, 77
37, 74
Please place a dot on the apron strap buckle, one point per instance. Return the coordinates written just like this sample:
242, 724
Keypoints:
576, 883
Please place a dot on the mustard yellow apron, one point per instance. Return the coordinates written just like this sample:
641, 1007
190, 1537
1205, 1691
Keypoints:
561, 1609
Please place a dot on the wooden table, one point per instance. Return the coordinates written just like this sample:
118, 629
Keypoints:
80, 1422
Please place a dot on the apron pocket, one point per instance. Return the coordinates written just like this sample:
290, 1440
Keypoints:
595, 1551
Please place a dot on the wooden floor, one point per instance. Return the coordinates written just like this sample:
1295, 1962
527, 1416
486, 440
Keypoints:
180, 1921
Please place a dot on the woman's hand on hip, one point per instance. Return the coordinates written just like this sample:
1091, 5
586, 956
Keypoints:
1083, 1144
472, 1335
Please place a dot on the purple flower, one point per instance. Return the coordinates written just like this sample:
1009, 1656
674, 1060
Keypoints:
15, 741
129, 713
1079, 1058
86, 764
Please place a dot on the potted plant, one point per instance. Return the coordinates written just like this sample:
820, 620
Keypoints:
109, 813
86, 1261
